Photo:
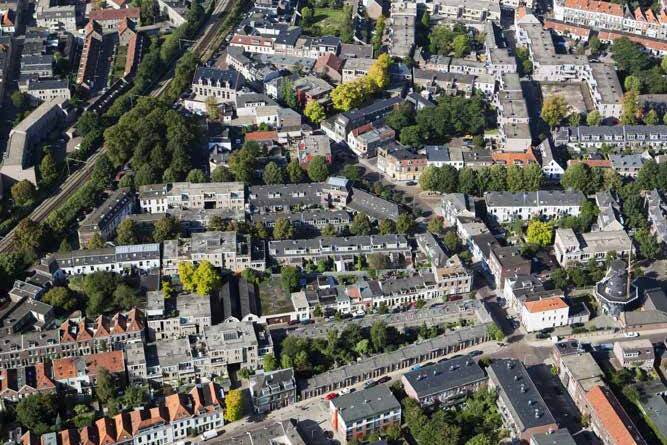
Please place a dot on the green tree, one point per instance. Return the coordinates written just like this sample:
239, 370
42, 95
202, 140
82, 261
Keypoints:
288, 94
376, 41
467, 181
283, 229
559, 278
95, 242
574, 119
289, 277
632, 83
495, 332
20, 100
451, 241
126, 232
37, 412
314, 111
29, 236
349, 95
578, 177
196, 176
165, 228
361, 225
630, 108
539, 233
352, 172
269, 363
554, 110
386, 227
295, 173
411, 136
379, 336
234, 405
405, 224
242, 164
23, 192
48, 170
318, 169
206, 278
442, 179
435, 225
648, 244
222, 174
83, 416
105, 387
594, 118
125, 297
461, 45
651, 118
61, 298
273, 174
378, 73
329, 230
212, 108
186, 272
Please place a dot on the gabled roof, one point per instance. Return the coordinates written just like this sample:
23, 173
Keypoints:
612, 417
114, 14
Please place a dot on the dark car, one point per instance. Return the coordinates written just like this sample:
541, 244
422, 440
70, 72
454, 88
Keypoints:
383, 379
370, 384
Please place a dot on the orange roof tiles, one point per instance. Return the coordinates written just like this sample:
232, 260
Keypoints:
176, 408
43, 381
259, 136
69, 437
612, 418
66, 368
647, 42
114, 14
563, 27
545, 304
639, 15
238, 39
106, 431
329, 60
514, 157
596, 6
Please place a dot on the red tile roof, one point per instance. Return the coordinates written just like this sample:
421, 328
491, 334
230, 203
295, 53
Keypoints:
329, 60
261, 136
596, 6
514, 157
647, 42
66, 368
562, 27
612, 418
545, 304
114, 14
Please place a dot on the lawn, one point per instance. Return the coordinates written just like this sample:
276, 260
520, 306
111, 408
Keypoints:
273, 298
327, 21
119, 63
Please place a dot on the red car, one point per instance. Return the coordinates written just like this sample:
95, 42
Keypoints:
331, 396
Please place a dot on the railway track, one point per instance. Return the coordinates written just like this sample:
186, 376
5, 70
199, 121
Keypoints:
202, 47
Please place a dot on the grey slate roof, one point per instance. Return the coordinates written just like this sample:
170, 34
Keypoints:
372, 205
533, 199
449, 374
558, 437
366, 404
215, 75
523, 400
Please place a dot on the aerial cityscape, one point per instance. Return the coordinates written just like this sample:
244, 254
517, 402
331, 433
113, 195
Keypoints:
333, 222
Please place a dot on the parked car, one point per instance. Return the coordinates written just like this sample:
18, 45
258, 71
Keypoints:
331, 396
631, 334
383, 379
416, 367
369, 384
344, 391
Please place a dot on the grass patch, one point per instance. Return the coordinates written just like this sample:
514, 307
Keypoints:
327, 21
118, 68
273, 298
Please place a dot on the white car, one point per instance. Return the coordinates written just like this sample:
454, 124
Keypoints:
631, 334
